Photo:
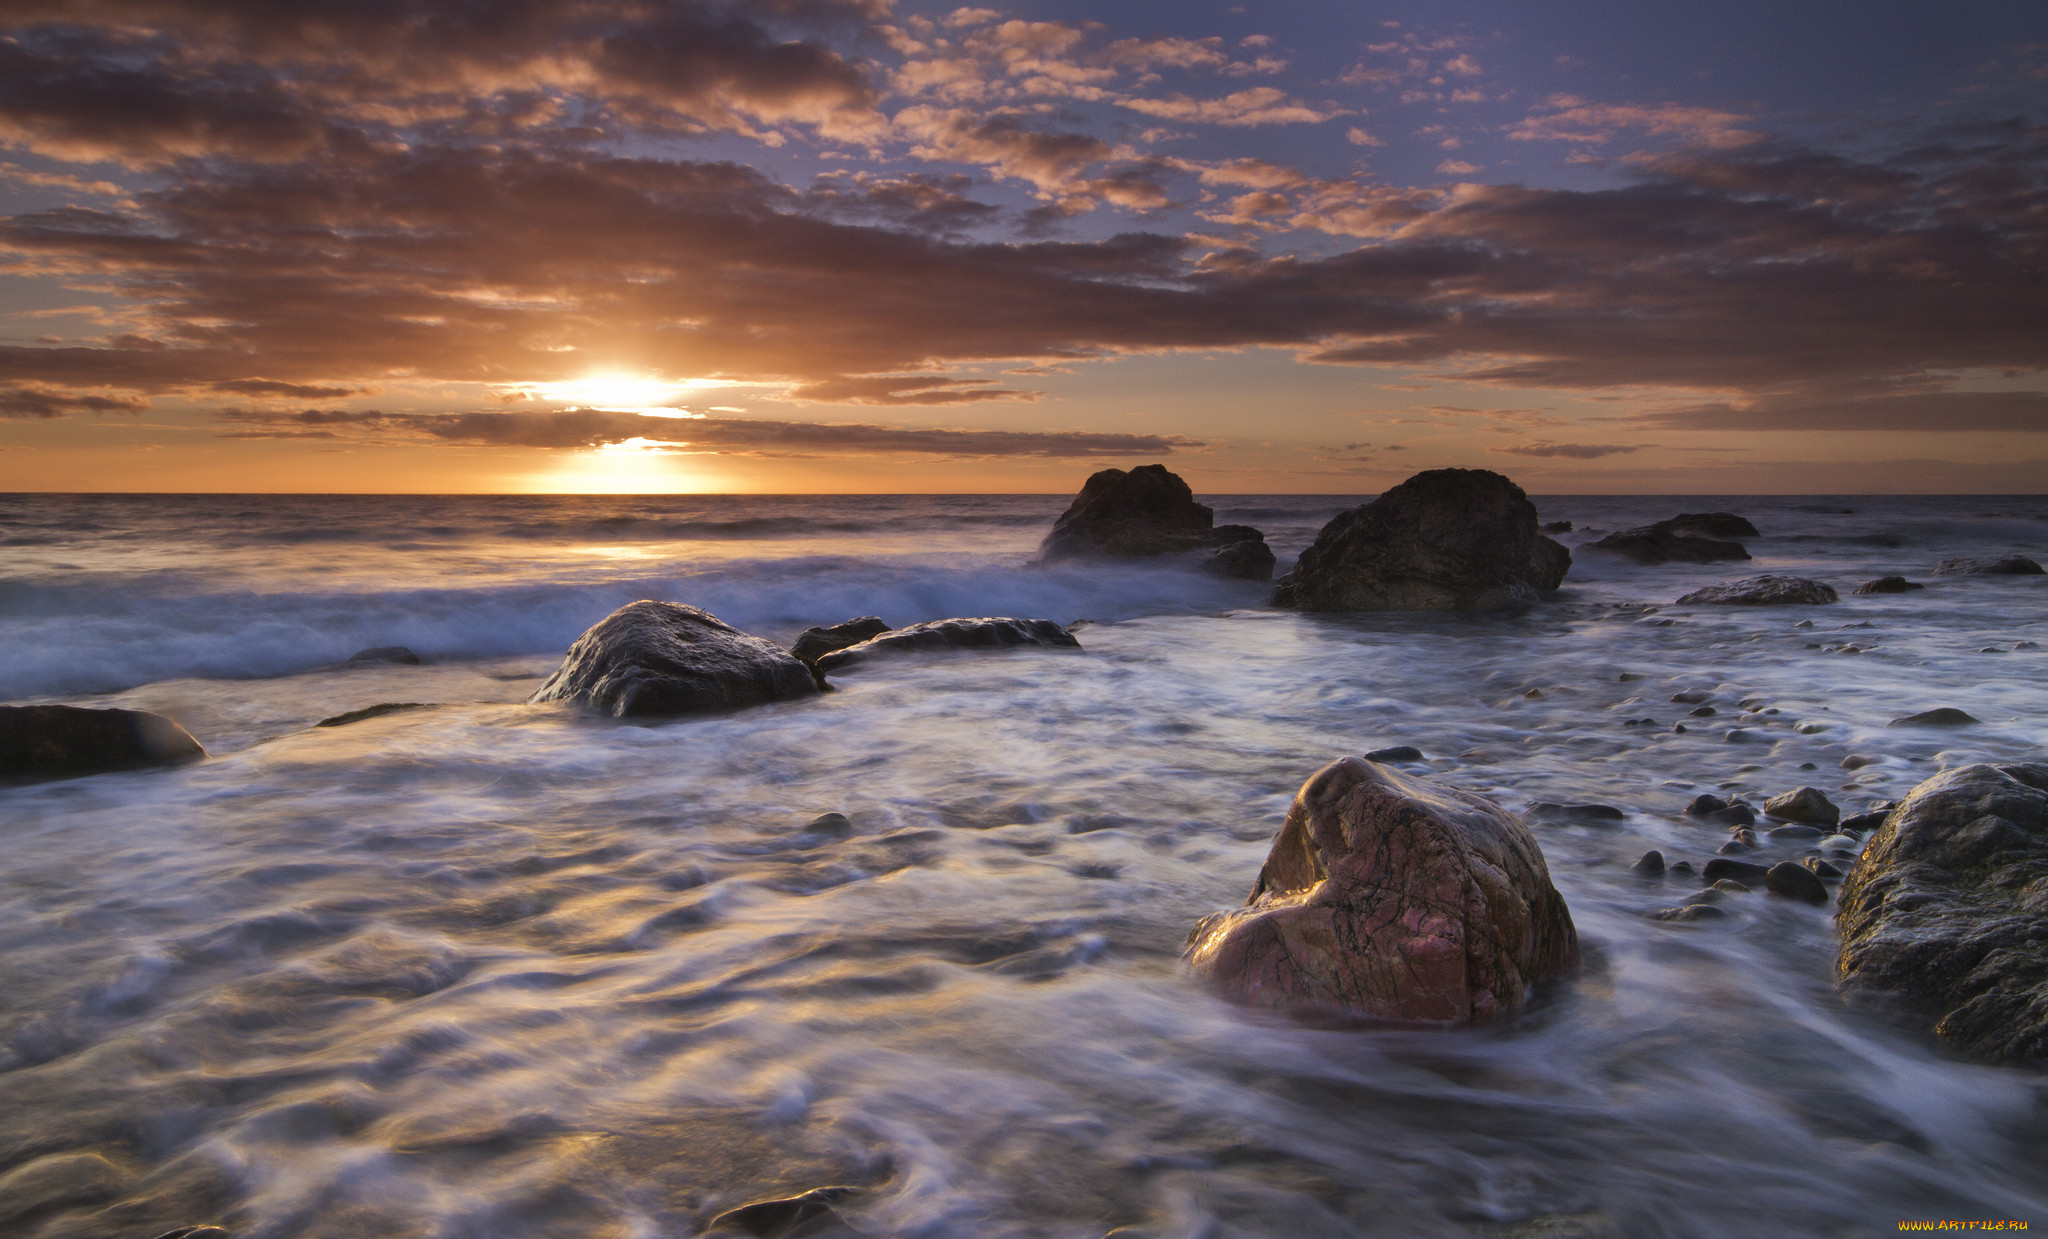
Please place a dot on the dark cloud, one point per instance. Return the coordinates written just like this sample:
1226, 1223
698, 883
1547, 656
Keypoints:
42, 402
272, 387
1568, 451
588, 428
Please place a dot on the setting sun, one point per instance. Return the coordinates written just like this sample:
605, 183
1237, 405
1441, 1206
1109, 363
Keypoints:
616, 390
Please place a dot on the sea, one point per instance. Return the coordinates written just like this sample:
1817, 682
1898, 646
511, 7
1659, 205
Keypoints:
492, 970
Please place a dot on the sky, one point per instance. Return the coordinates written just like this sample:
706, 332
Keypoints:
852, 246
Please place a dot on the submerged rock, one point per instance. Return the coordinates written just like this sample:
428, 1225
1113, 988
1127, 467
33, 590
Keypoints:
2004, 565
814, 643
384, 654
56, 742
953, 634
1946, 910
786, 1217
1710, 525
1650, 866
1398, 752
652, 658
1763, 591
1889, 585
1444, 540
1390, 897
1150, 511
379, 710
1944, 716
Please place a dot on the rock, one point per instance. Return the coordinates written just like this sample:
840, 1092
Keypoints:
834, 825
385, 654
1705, 803
1692, 696
1557, 527
1240, 553
814, 643
1838, 843
1579, 812
650, 658
1795, 882
379, 710
1150, 511
1737, 814
953, 634
195, 1232
1392, 898
1683, 866
1689, 538
1399, 752
1796, 834
1763, 591
2004, 565
1650, 866
785, 1218
1444, 540
1856, 761
1740, 870
57, 742
1863, 821
1947, 909
1710, 525
1702, 712
1889, 585
1803, 804
1744, 835
1729, 886
1690, 913
1821, 869
1549, 561
1945, 716
1734, 847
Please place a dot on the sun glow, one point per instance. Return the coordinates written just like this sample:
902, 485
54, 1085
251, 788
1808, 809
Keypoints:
622, 392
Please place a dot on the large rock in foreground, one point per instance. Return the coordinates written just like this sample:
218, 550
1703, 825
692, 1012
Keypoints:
1763, 591
1947, 909
1150, 511
56, 742
667, 658
1444, 540
1388, 897
952, 634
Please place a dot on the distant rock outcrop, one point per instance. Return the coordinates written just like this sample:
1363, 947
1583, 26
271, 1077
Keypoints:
1889, 585
667, 658
1763, 591
1444, 540
1689, 538
56, 742
952, 634
1946, 910
1394, 898
1150, 511
2004, 565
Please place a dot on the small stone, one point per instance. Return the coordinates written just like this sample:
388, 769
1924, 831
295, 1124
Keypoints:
1704, 803
1628, 677
1740, 870
1689, 913
1803, 624
829, 824
376, 711
1735, 815
1683, 866
1796, 834
2026, 645
1533, 694
1795, 882
1804, 804
1763, 591
1399, 752
1729, 886
1807, 765
1582, 812
1703, 712
1889, 585
788, 1216
1692, 697
1706, 894
1679, 728
814, 643
1863, 822
1945, 716
1734, 847
1856, 761
1650, 866
1837, 843
1740, 735
1821, 868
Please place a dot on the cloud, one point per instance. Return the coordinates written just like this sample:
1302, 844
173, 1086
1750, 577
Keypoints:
1260, 105
1568, 451
1927, 412
43, 402
591, 428
272, 387
1574, 120
908, 389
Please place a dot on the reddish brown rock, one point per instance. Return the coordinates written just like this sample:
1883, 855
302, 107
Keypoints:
1392, 898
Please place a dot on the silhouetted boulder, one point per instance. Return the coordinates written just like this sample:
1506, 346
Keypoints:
1710, 525
1240, 552
1763, 591
1392, 898
953, 634
2004, 565
1940, 716
667, 658
814, 643
1889, 585
1549, 561
56, 742
1946, 910
1684, 539
1444, 540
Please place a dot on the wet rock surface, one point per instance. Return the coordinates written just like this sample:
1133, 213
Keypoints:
1803, 804
1763, 591
56, 742
379, 710
1150, 511
953, 634
1444, 540
1889, 585
659, 658
1688, 538
814, 643
1941, 716
1946, 910
1387, 897
2004, 565
1240, 552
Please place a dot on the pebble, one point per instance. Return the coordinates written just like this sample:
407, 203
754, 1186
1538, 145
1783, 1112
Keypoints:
1703, 712
1399, 752
1734, 847
1689, 913
1683, 866
1705, 802
1944, 716
1740, 870
1583, 812
1692, 696
1856, 761
1740, 735
1864, 821
1650, 866
1795, 882
1796, 834
1729, 886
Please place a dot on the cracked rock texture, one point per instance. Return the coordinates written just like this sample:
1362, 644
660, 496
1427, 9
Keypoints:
1392, 898
1946, 910
667, 658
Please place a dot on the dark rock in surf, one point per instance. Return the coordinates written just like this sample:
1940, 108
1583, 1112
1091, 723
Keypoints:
1705, 802
1650, 866
1803, 804
1549, 561
1444, 540
656, 658
1710, 525
1576, 812
814, 643
1862, 823
953, 634
1946, 910
2004, 565
384, 654
1739, 870
784, 1218
57, 742
1945, 716
1689, 538
1690, 914
1399, 752
1799, 833
1889, 585
1388, 897
1795, 882
1150, 511
379, 710
1763, 591
1822, 869
1557, 527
